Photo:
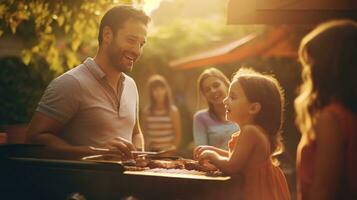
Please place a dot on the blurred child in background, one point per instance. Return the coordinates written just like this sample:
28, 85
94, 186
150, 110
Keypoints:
161, 118
255, 102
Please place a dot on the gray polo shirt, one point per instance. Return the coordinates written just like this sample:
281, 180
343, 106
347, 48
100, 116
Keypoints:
88, 107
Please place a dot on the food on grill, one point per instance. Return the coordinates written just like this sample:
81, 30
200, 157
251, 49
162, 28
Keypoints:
141, 162
148, 163
203, 166
135, 168
166, 164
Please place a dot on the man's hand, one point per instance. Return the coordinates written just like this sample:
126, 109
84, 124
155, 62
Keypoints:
122, 146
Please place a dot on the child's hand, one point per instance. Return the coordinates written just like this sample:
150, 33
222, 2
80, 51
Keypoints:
198, 150
208, 155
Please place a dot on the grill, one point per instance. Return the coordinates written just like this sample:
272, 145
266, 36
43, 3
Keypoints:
36, 178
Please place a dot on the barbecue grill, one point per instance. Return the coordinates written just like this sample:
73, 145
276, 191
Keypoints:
24, 176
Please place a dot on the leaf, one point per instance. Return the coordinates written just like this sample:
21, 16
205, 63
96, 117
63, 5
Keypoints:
56, 65
66, 28
2, 10
48, 29
22, 15
60, 20
53, 59
26, 56
71, 59
78, 26
75, 43
35, 49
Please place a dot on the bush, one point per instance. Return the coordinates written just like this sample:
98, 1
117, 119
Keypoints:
21, 87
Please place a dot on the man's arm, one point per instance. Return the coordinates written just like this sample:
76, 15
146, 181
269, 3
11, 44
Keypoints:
44, 130
138, 137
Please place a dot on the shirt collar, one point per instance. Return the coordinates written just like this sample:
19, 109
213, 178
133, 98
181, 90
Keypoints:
94, 68
97, 71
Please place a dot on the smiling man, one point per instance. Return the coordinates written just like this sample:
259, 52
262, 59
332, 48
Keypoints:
96, 104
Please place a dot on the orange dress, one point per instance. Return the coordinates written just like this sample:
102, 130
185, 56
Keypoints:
263, 182
307, 149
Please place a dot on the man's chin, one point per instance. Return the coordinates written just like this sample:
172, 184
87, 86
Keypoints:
126, 68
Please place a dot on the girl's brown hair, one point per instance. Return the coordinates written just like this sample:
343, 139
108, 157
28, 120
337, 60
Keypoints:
329, 58
159, 81
265, 90
210, 72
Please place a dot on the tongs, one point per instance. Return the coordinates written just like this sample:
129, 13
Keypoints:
150, 154
156, 154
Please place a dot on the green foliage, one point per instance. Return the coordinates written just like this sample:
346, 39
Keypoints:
56, 31
21, 89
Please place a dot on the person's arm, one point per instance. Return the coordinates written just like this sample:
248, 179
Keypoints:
43, 130
200, 136
198, 151
231, 165
176, 119
329, 158
138, 137
143, 125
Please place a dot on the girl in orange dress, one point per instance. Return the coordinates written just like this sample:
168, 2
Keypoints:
327, 113
255, 102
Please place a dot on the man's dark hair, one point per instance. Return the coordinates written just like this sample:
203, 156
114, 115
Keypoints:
117, 16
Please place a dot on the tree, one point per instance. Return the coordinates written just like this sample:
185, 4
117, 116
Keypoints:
58, 31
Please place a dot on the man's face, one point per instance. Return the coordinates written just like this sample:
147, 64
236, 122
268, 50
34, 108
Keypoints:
127, 44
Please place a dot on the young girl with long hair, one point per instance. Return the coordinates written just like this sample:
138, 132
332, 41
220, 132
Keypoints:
255, 102
162, 123
327, 113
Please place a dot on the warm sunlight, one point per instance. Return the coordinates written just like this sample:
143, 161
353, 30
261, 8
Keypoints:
178, 99
150, 5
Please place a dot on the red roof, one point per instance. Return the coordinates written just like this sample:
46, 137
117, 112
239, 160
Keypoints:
273, 43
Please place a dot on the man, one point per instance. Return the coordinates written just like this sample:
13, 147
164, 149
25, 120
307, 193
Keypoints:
95, 105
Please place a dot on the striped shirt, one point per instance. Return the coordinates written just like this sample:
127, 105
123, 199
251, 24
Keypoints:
159, 132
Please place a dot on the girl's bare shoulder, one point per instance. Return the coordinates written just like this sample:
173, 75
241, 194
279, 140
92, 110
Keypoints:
251, 132
253, 129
